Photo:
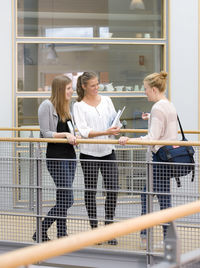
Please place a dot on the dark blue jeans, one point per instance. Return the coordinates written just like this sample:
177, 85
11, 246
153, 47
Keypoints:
161, 184
62, 172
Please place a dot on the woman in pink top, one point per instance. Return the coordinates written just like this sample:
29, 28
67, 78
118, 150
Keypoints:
162, 126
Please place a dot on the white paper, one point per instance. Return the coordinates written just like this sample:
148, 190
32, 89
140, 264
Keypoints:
117, 117
71, 129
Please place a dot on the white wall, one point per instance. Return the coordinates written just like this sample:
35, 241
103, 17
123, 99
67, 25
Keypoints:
184, 60
6, 65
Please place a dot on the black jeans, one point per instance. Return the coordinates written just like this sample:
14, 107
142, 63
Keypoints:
109, 171
62, 172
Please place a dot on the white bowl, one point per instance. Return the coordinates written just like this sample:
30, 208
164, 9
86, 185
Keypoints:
119, 88
101, 87
129, 88
109, 87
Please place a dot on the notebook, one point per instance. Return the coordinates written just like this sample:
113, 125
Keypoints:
117, 117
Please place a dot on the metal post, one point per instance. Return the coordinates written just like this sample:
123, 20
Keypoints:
172, 256
31, 174
172, 245
149, 204
38, 194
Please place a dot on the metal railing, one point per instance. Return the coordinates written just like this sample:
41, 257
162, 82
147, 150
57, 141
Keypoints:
27, 193
75, 242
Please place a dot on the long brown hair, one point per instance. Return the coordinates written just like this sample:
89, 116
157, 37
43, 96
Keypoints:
57, 98
82, 80
158, 80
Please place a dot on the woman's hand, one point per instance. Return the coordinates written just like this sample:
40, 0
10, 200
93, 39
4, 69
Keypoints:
145, 116
71, 138
123, 140
113, 131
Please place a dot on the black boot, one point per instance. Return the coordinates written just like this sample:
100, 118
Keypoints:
61, 227
45, 237
113, 241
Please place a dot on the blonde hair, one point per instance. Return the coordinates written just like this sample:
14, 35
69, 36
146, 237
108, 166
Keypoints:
158, 80
82, 80
57, 98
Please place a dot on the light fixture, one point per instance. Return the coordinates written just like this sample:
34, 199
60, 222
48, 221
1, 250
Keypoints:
137, 4
51, 54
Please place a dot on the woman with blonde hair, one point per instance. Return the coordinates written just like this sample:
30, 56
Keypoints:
55, 122
162, 125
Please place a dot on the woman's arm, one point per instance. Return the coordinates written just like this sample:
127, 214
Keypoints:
155, 130
109, 131
60, 135
44, 113
156, 125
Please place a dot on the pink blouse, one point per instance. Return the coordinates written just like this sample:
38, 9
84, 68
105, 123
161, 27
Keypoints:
162, 124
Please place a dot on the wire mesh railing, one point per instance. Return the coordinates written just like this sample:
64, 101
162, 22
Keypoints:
28, 192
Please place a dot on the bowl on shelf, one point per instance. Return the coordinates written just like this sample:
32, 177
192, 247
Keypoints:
129, 88
136, 88
119, 88
101, 87
142, 88
109, 87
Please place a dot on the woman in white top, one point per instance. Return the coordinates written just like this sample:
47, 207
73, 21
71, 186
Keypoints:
162, 126
93, 116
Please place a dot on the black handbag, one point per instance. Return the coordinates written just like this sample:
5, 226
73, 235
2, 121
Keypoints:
178, 154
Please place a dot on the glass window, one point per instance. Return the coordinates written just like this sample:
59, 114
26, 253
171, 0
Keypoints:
120, 67
90, 18
132, 115
28, 111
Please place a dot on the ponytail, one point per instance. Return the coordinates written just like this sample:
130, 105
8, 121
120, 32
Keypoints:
79, 89
82, 80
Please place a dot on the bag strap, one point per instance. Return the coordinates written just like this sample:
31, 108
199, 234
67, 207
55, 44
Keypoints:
182, 133
183, 138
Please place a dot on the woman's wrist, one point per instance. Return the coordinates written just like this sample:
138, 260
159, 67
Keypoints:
67, 135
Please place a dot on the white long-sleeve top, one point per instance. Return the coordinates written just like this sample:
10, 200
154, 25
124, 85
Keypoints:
162, 124
89, 118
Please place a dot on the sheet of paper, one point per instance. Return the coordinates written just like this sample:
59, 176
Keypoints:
117, 117
71, 128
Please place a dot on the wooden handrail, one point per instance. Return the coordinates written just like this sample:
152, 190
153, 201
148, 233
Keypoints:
43, 251
97, 141
121, 130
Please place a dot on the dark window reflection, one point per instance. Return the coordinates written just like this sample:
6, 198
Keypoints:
91, 18
28, 111
120, 67
132, 115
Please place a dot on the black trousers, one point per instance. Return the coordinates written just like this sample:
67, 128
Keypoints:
109, 171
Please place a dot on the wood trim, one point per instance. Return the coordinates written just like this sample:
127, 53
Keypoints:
43, 251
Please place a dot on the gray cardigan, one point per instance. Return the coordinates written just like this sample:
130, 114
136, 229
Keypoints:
48, 119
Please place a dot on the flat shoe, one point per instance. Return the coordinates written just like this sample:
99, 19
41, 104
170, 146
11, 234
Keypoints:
113, 242
45, 237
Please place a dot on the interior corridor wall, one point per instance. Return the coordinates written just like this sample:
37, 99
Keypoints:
184, 61
6, 66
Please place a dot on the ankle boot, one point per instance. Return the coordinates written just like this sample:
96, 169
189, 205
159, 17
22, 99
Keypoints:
113, 241
45, 237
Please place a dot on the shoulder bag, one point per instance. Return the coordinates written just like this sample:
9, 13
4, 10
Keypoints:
178, 154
